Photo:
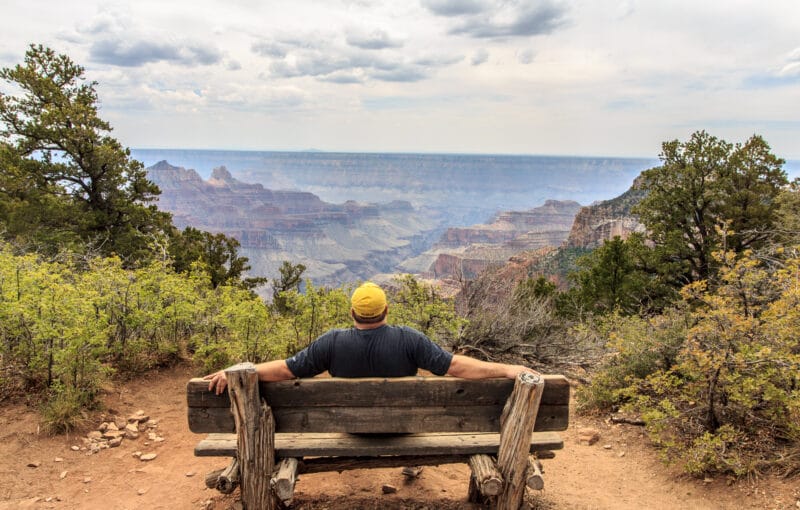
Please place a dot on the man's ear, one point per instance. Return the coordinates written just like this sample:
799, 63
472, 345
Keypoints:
353, 314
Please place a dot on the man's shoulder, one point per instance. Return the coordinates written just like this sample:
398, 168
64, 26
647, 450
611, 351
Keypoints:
405, 331
335, 332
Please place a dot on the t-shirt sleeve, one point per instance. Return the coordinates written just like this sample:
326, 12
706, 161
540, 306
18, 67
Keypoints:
312, 360
430, 356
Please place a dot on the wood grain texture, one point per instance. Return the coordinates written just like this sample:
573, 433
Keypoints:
255, 437
229, 478
488, 479
534, 478
394, 392
285, 479
330, 445
385, 420
516, 426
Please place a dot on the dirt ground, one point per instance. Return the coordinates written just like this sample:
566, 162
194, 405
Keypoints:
618, 472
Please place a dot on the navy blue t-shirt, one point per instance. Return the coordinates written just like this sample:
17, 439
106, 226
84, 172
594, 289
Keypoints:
387, 351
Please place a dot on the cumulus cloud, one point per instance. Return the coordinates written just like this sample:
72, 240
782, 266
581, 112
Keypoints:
626, 8
343, 77
249, 96
375, 40
282, 45
500, 18
135, 53
438, 60
358, 68
792, 66
114, 40
525, 56
787, 74
481, 56
403, 74
349, 58
454, 7
269, 49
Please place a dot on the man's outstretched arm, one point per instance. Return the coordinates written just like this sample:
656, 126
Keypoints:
471, 368
276, 370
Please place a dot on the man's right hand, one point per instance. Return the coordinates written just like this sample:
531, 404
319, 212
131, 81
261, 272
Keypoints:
217, 381
512, 371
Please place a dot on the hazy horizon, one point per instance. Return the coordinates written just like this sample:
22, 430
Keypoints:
792, 167
608, 77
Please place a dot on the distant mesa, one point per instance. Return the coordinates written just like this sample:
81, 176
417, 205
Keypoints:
607, 219
463, 252
337, 242
356, 240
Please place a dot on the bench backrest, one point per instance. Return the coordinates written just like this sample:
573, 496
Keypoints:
377, 405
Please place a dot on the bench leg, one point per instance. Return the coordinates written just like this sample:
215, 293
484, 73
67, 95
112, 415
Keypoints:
516, 427
284, 480
255, 430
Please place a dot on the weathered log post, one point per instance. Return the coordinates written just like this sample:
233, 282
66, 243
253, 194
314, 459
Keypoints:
535, 478
516, 427
229, 478
284, 480
255, 431
213, 477
487, 478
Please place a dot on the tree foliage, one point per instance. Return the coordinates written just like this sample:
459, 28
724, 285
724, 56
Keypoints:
714, 375
65, 179
65, 327
419, 305
727, 398
704, 186
218, 253
291, 277
621, 276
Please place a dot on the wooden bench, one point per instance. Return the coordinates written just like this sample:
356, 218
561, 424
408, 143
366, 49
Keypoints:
276, 430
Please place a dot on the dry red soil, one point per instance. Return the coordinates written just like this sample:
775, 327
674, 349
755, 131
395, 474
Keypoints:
619, 472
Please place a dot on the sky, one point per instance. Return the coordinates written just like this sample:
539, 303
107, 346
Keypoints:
550, 77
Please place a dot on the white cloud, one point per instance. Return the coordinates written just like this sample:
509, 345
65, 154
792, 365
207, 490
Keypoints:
610, 77
481, 56
374, 40
526, 56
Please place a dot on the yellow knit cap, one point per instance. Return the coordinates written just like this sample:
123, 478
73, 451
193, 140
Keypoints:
368, 301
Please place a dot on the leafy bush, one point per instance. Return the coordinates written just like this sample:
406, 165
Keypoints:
64, 328
727, 399
637, 348
63, 410
419, 305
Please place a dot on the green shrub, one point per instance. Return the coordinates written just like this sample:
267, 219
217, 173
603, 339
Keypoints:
63, 411
637, 347
727, 400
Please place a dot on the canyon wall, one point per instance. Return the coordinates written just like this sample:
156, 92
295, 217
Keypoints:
463, 252
605, 220
336, 242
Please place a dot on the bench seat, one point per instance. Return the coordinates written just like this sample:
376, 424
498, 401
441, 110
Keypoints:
315, 425
351, 445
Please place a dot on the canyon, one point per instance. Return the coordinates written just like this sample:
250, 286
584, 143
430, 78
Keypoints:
342, 243
336, 242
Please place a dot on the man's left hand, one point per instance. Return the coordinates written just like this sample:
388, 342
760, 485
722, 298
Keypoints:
217, 381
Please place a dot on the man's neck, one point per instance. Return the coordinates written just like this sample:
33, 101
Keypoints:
360, 325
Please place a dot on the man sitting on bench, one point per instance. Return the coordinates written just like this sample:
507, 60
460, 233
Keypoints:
373, 348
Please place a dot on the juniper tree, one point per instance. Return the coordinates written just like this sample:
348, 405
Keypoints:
63, 174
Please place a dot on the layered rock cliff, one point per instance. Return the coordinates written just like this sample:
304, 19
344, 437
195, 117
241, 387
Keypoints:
336, 242
607, 219
466, 251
